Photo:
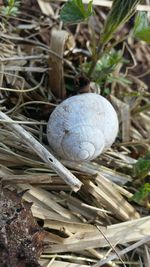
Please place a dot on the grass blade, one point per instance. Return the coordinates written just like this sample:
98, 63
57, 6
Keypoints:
120, 12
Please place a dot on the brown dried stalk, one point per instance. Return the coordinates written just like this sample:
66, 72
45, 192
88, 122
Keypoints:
43, 153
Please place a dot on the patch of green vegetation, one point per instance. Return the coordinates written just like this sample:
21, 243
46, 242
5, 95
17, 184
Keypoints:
74, 11
141, 27
121, 12
142, 193
142, 167
141, 170
105, 67
11, 8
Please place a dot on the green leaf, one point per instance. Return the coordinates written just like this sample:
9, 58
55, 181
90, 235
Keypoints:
142, 193
74, 11
141, 21
141, 28
11, 8
106, 66
144, 35
142, 167
109, 60
120, 12
108, 63
119, 79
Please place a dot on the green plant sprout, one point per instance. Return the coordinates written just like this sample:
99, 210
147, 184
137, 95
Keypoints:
142, 167
141, 170
105, 67
11, 8
141, 27
142, 194
74, 11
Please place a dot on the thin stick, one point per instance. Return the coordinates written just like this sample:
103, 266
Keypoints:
111, 245
109, 4
16, 58
122, 252
43, 153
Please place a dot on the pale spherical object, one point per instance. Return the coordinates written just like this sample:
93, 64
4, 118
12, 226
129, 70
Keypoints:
82, 127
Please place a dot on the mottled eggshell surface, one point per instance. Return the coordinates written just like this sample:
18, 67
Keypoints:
82, 127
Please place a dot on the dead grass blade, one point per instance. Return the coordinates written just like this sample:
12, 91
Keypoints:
124, 251
109, 197
44, 154
93, 168
46, 8
47, 263
125, 117
121, 233
59, 39
48, 199
146, 256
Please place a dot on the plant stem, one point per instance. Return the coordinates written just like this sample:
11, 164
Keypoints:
99, 53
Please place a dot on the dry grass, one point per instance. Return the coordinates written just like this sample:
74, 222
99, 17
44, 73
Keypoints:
99, 220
